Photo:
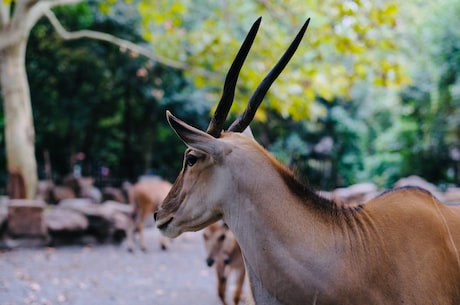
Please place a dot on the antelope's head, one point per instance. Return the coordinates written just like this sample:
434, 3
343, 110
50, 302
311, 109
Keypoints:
218, 241
206, 180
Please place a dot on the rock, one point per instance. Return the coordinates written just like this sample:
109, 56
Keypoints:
98, 217
420, 182
124, 208
62, 219
26, 218
72, 182
114, 194
24, 242
105, 220
66, 226
452, 195
3, 213
92, 193
73, 187
355, 194
58, 193
88, 190
121, 218
121, 224
78, 204
44, 188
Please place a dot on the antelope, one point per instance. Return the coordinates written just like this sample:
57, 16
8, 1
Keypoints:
225, 254
145, 196
299, 248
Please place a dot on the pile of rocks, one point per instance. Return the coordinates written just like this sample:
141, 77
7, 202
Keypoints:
71, 221
85, 220
361, 192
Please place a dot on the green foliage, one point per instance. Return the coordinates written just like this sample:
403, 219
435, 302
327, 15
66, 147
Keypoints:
350, 51
94, 98
347, 42
91, 97
415, 131
433, 100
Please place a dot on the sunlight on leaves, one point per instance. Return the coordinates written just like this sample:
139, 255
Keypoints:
347, 43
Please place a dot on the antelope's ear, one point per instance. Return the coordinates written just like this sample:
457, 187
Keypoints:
192, 137
248, 132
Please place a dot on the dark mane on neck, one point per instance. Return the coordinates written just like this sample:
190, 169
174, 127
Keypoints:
303, 190
308, 194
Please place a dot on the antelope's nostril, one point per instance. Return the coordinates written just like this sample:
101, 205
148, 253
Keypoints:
155, 215
210, 261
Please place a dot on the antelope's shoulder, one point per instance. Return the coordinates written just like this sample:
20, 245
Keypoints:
410, 199
406, 192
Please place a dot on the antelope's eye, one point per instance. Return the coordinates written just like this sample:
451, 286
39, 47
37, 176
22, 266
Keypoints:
190, 159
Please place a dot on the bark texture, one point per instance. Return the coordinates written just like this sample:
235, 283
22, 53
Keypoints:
19, 128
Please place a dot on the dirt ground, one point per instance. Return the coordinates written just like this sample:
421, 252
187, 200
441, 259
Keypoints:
108, 274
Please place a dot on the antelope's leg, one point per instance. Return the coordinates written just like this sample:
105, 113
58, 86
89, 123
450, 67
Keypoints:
239, 286
140, 228
130, 233
221, 281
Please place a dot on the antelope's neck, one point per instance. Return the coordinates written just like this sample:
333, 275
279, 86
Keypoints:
281, 238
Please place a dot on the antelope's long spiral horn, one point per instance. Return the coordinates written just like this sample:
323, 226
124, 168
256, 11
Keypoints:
245, 119
220, 115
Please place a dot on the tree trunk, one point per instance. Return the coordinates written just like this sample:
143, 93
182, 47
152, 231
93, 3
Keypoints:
19, 128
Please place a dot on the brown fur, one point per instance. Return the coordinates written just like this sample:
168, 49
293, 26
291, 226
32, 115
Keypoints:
401, 247
225, 254
146, 196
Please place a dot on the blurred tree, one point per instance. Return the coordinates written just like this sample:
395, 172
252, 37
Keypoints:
101, 105
350, 45
348, 42
430, 133
17, 18
15, 23
330, 150
82, 104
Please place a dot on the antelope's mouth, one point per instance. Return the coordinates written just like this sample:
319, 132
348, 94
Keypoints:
162, 225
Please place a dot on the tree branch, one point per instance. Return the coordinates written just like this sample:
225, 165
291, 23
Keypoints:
16, 28
4, 14
123, 44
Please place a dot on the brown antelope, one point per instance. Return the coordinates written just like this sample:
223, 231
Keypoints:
299, 248
145, 196
225, 254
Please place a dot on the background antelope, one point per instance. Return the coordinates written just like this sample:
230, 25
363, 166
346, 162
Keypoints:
225, 254
299, 248
145, 196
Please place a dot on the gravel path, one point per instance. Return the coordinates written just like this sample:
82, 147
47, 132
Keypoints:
108, 274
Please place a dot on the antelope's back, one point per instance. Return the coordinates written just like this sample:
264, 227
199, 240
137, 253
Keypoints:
422, 238
420, 206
